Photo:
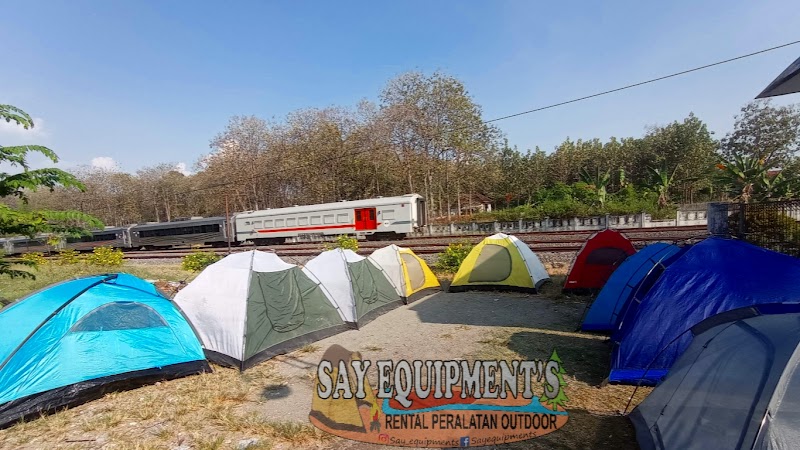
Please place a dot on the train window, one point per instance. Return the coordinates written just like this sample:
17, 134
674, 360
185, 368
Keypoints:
328, 218
371, 214
302, 221
278, 223
267, 224
388, 214
291, 222
256, 224
358, 216
315, 220
341, 218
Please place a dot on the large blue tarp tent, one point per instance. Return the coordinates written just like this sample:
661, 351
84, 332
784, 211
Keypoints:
73, 341
711, 277
605, 312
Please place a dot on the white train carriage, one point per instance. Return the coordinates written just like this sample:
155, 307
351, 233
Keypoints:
377, 218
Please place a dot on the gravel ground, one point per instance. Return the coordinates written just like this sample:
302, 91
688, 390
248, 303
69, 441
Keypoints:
454, 326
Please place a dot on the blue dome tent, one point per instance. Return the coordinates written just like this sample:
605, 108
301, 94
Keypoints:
73, 341
711, 277
606, 310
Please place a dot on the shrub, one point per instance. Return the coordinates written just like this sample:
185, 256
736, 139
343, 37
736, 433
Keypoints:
68, 256
35, 258
199, 260
344, 242
106, 256
452, 257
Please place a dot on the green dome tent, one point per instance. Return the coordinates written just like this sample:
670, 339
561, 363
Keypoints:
252, 306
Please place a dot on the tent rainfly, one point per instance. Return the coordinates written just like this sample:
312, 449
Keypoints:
359, 288
737, 386
500, 262
711, 277
409, 274
252, 306
788, 82
73, 341
599, 257
607, 308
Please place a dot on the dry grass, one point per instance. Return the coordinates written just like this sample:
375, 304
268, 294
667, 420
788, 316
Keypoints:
596, 409
203, 412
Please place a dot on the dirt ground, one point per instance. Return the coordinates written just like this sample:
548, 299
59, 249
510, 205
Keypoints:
271, 402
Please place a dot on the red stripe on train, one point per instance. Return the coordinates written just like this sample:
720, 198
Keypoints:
281, 230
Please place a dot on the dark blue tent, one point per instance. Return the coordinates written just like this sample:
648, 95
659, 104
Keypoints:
629, 310
606, 310
72, 341
711, 277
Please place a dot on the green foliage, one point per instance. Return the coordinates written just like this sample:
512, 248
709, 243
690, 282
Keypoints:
11, 113
344, 242
20, 185
745, 179
199, 260
561, 397
68, 256
452, 257
105, 256
598, 182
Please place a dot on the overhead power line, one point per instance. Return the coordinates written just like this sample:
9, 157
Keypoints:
641, 83
542, 108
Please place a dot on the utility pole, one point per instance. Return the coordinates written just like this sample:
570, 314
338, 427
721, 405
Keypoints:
227, 223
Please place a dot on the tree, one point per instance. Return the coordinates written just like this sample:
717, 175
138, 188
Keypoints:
763, 132
660, 183
597, 181
745, 178
30, 222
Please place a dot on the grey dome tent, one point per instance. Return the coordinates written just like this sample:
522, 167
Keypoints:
252, 306
359, 287
737, 386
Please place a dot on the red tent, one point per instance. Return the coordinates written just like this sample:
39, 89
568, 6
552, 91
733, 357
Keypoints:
602, 253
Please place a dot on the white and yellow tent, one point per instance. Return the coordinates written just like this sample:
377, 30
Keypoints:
500, 262
409, 274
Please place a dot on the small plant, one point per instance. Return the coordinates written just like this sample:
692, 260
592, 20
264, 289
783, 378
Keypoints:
34, 259
199, 260
68, 256
344, 242
452, 257
106, 256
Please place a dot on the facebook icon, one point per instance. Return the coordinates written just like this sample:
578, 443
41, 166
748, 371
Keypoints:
463, 442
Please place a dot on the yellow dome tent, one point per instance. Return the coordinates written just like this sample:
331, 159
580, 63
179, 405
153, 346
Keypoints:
500, 262
410, 275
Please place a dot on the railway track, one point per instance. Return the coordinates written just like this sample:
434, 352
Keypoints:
549, 241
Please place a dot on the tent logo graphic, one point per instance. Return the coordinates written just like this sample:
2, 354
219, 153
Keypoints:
437, 403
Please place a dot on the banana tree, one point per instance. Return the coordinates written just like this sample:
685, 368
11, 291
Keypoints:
746, 178
598, 181
661, 181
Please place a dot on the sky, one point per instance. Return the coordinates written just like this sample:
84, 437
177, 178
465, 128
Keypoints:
123, 85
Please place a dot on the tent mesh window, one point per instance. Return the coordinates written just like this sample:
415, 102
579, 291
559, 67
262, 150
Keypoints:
119, 316
606, 256
415, 272
493, 265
